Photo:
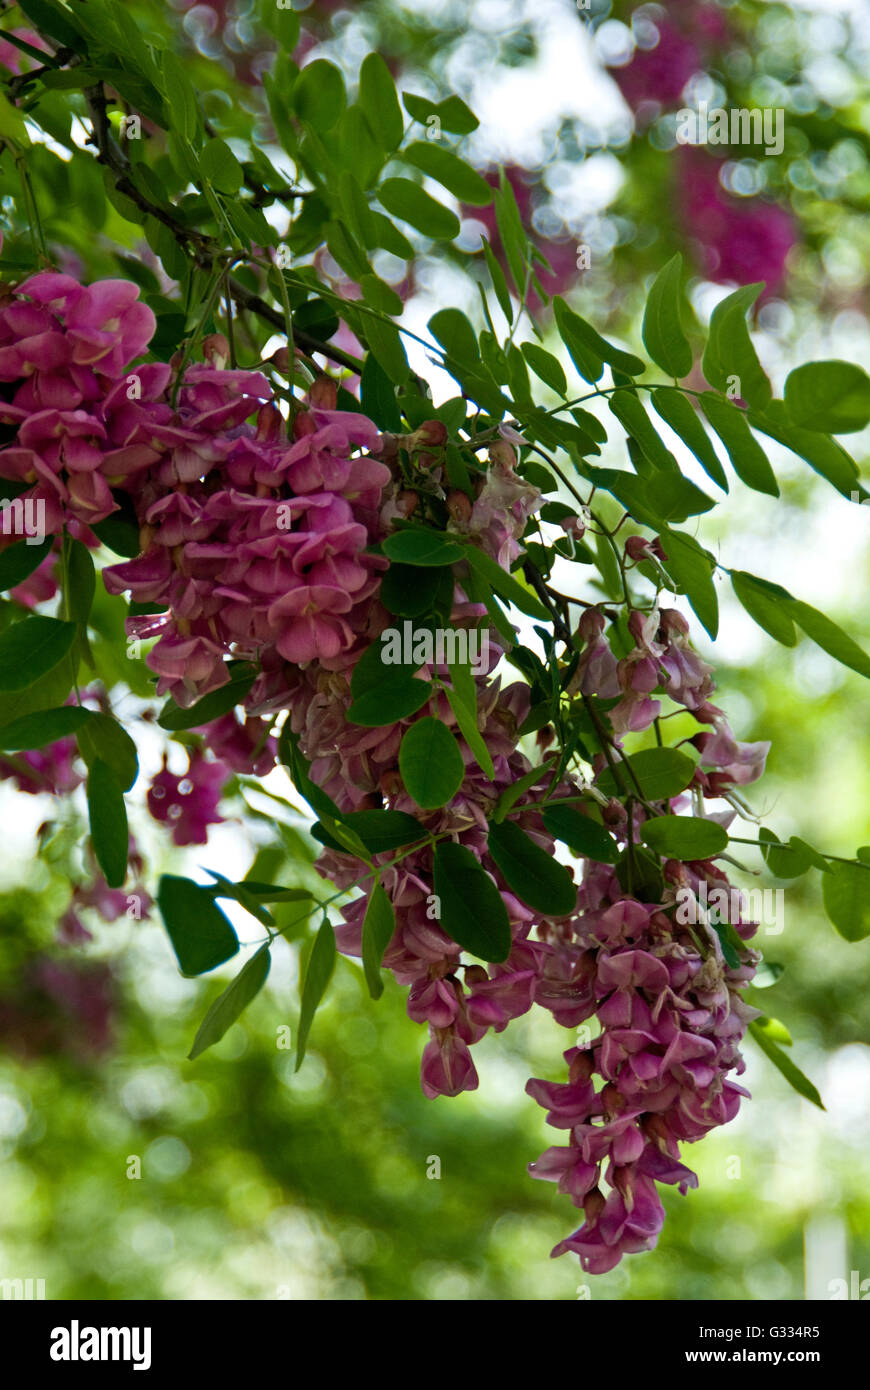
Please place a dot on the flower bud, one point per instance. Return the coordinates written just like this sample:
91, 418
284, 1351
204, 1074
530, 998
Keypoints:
216, 350
303, 424
459, 506
674, 872
389, 449
502, 455
591, 625
431, 434
323, 393
406, 501
582, 1067
282, 360
475, 975
390, 784
270, 423
574, 526
593, 1205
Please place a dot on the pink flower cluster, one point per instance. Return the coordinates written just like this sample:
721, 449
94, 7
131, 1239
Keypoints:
662, 658
668, 1006
671, 1021
59, 1007
739, 240
670, 50
665, 997
253, 544
82, 428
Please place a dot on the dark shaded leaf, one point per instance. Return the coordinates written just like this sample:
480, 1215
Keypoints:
103, 737
535, 876
31, 649
43, 727
583, 836
472, 911
107, 817
201, 936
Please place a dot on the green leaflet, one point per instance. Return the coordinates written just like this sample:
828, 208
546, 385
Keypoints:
229, 1006
406, 199
662, 330
830, 396
783, 1063
379, 925
201, 935
379, 102
691, 568
430, 763
677, 411
765, 603
684, 837
107, 816
446, 168
583, 835
746, 454
660, 772
730, 353
317, 975
471, 910
846, 895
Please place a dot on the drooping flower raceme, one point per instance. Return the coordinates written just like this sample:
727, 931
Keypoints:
262, 550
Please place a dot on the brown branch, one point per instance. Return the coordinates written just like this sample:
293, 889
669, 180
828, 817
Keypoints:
203, 248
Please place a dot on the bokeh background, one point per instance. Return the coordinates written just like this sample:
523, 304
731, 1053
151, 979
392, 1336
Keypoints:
255, 1182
